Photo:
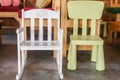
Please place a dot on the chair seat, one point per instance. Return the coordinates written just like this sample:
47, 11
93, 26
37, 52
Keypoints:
43, 45
89, 40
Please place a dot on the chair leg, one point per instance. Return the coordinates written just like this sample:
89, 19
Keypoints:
115, 35
59, 63
94, 53
69, 51
25, 56
104, 23
100, 65
72, 57
57, 57
110, 33
105, 30
60, 71
21, 63
18, 76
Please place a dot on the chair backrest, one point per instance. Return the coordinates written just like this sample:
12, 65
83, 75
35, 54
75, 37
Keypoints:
114, 3
40, 18
85, 10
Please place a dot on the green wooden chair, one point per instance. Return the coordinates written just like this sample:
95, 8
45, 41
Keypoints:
86, 10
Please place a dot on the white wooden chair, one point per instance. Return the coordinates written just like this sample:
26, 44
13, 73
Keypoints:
24, 44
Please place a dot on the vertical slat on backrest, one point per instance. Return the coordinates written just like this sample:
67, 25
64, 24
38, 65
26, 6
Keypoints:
22, 18
58, 26
49, 29
32, 29
75, 27
93, 27
23, 34
84, 27
116, 1
40, 29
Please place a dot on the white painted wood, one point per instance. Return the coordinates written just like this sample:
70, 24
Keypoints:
41, 29
32, 30
40, 44
49, 30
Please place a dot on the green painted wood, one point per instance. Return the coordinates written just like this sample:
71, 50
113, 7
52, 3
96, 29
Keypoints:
86, 10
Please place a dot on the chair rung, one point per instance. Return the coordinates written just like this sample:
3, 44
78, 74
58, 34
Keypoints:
40, 45
40, 48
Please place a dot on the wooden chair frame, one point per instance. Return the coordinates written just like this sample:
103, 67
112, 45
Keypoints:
116, 17
114, 3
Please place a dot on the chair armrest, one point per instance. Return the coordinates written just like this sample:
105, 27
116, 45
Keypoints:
20, 36
19, 30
